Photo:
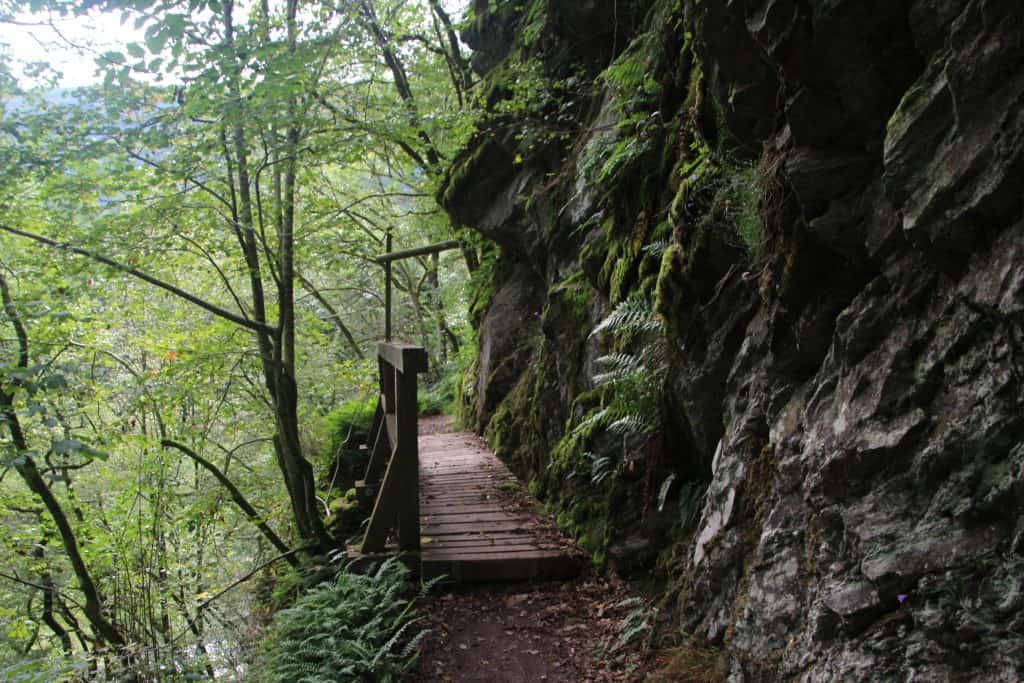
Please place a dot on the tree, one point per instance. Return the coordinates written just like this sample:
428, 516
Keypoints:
206, 282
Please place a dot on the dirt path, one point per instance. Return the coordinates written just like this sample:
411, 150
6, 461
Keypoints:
551, 631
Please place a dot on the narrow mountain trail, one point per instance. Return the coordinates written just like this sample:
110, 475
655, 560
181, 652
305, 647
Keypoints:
590, 629
578, 631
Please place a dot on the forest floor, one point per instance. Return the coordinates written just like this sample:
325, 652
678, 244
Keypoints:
579, 631
592, 629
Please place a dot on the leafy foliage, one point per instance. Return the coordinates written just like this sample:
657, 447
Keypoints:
354, 627
301, 114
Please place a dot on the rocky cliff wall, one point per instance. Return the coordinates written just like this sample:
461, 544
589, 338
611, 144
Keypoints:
799, 224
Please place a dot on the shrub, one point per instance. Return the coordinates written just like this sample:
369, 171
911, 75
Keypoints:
349, 422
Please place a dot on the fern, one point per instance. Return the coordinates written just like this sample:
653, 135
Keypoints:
601, 467
635, 625
620, 366
632, 315
631, 394
630, 424
351, 628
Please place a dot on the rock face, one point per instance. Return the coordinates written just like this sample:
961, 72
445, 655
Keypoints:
824, 201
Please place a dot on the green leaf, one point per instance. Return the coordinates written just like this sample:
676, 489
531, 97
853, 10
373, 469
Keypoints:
156, 42
54, 381
67, 446
112, 57
176, 24
135, 50
70, 446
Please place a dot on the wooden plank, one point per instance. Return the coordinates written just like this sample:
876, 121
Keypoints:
405, 358
475, 496
461, 556
504, 538
441, 529
468, 507
490, 482
473, 518
385, 510
445, 454
483, 552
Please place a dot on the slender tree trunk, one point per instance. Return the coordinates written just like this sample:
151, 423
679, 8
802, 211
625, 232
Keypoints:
26, 468
277, 348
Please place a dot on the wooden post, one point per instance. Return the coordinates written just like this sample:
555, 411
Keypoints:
387, 289
407, 454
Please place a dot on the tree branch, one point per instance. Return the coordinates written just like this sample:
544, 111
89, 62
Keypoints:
236, 496
254, 325
333, 313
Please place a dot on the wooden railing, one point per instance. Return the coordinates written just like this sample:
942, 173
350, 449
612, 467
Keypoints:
392, 475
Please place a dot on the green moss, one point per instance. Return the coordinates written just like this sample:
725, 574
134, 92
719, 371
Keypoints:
585, 519
694, 92
466, 398
738, 199
483, 283
572, 297
670, 292
462, 174
509, 431
619, 286
567, 457
611, 259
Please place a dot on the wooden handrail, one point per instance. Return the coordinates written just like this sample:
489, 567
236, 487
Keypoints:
403, 357
394, 459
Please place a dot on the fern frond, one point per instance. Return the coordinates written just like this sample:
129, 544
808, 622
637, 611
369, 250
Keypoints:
627, 425
656, 248
600, 468
595, 419
632, 315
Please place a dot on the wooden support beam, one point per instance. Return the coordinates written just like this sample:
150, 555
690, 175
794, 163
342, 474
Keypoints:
385, 509
378, 456
418, 251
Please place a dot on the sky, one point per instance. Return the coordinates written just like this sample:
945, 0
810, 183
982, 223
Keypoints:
70, 43
31, 39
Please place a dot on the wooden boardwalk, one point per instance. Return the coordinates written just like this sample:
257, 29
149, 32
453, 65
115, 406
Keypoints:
476, 522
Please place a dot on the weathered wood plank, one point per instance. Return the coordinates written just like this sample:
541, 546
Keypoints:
404, 358
474, 518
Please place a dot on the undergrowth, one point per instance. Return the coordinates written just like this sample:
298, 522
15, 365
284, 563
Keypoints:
356, 627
